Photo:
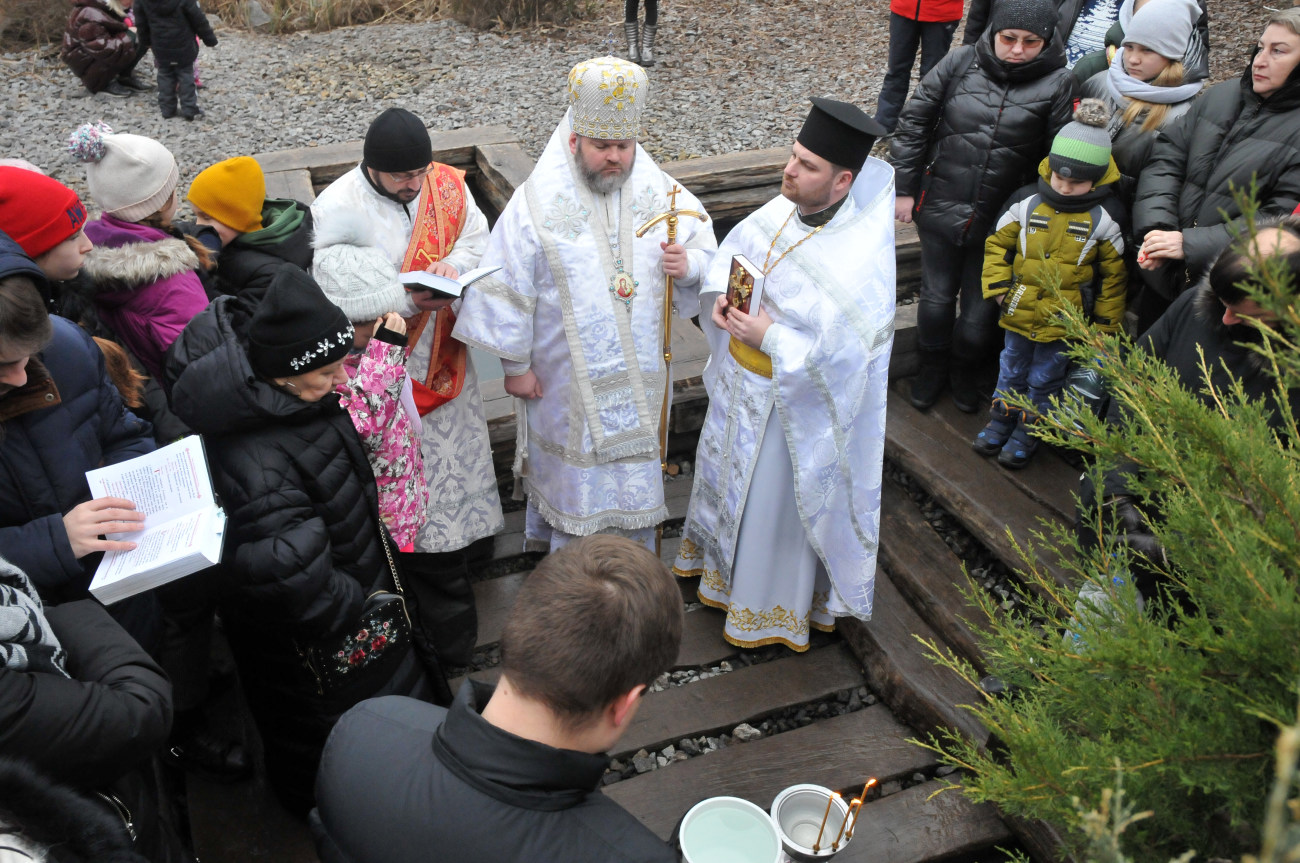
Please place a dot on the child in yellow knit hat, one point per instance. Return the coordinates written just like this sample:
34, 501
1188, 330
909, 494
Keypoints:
258, 234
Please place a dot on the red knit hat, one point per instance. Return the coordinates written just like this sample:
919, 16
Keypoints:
38, 211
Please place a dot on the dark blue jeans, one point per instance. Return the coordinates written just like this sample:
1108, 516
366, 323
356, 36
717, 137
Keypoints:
905, 35
951, 274
1036, 368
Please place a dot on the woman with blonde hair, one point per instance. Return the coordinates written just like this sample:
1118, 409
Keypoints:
1147, 85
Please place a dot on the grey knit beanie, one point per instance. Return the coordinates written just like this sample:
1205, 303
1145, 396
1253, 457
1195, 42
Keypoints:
1164, 26
129, 176
355, 274
1081, 151
1037, 16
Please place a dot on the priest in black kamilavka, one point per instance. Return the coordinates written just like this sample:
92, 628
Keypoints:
784, 517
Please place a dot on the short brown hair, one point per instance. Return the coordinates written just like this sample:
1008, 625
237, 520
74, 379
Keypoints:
595, 619
24, 322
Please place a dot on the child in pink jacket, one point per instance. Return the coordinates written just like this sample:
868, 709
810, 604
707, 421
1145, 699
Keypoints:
359, 279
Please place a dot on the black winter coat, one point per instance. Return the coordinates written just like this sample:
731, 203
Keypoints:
109, 718
1229, 136
169, 27
470, 790
97, 44
246, 270
974, 132
303, 545
1191, 327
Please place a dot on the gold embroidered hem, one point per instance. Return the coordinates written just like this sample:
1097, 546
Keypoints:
751, 627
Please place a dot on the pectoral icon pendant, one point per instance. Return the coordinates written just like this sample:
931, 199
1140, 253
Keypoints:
623, 285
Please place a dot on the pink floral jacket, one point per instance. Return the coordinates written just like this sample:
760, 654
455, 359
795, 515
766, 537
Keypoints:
372, 397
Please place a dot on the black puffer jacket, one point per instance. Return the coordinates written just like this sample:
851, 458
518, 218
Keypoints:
975, 132
303, 548
169, 28
246, 266
1229, 136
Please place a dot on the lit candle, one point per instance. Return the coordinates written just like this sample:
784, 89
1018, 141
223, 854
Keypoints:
858, 814
854, 812
835, 845
817, 846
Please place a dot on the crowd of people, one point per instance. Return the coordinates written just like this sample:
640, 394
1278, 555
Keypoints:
345, 430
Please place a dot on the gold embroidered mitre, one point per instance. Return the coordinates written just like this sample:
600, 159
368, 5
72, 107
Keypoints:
607, 96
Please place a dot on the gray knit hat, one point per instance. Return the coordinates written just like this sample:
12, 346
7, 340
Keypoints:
1037, 16
1164, 26
129, 176
355, 274
1081, 151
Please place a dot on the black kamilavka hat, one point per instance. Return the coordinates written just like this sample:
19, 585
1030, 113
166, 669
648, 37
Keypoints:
840, 133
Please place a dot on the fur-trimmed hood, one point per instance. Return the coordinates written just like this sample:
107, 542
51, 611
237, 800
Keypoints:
48, 815
133, 266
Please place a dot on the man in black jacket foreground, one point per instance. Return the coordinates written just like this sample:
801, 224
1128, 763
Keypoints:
511, 772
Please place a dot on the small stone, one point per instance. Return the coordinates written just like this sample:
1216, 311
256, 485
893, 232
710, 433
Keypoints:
855, 702
918, 778
668, 751
870, 699
681, 756
745, 732
689, 746
610, 778
643, 762
945, 770
617, 766
661, 761
891, 787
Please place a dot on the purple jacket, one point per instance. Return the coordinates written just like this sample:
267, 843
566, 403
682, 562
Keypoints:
145, 285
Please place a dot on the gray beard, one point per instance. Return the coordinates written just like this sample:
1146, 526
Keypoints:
603, 184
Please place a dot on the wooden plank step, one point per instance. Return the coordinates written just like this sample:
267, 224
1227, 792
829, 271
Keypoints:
294, 185
840, 752
927, 573
502, 169
1049, 479
745, 695
920, 693
975, 490
914, 827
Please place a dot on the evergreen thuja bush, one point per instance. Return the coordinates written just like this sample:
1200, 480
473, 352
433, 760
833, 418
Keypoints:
1187, 696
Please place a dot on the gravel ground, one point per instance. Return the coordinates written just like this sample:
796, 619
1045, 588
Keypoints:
735, 75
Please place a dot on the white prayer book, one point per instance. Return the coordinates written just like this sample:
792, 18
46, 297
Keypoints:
183, 527
422, 280
744, 285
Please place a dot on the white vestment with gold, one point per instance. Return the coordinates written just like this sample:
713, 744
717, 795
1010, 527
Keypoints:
464, 504
784, 517
588, 449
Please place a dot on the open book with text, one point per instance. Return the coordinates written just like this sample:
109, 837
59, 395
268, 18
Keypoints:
183, 527
420, 280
